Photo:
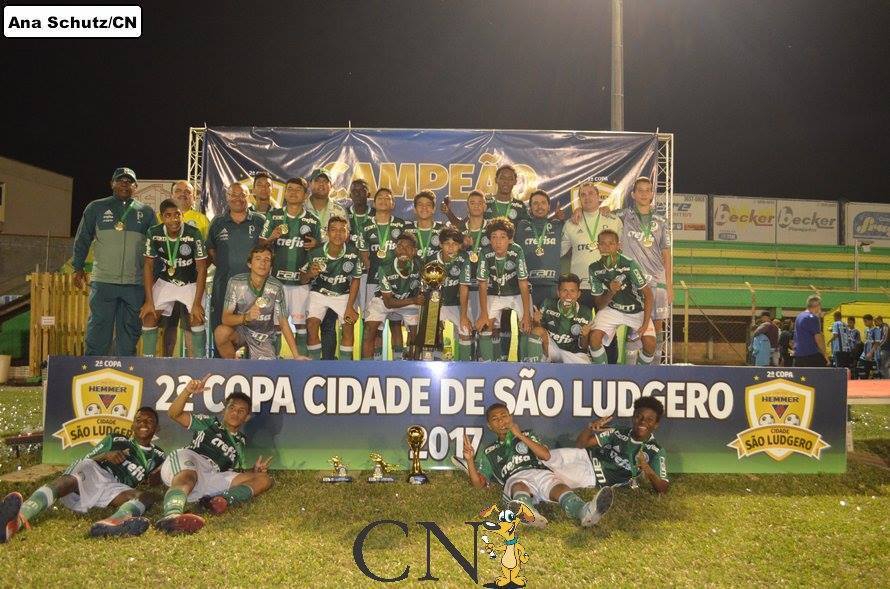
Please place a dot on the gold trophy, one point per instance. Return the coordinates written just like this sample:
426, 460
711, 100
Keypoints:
340, 473
381, 469
428, 340
416, 438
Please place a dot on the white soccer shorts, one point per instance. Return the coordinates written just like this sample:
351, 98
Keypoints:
210, 480
320, 303
166, 294
296, 297
96, 487
608, 321
496, 304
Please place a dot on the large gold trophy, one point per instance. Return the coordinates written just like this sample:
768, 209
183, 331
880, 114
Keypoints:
416, 438
428, 340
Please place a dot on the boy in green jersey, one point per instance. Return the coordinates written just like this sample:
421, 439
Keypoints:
623, 297
182, 277
562, 326
453, 297
206, 470
334, 271
424, 227
108, 475
516, 460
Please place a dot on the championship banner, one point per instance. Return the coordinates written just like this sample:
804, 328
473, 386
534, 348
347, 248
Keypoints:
449, 162
717, 419
808, 222
736, 218
867, 221
690, 217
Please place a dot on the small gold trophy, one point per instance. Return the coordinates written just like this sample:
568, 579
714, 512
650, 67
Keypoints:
416, 438
428, 341
381, 469
340, 473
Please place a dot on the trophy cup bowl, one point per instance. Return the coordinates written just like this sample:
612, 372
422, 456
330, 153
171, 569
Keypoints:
416, 437
428, 341
433, 274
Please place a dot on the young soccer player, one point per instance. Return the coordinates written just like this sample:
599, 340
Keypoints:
334, 272
291, 232
503, 284
399, 295
424, 227
182, 277
453, 298
540, 237
206, 470
517, 462
562, 327
623, 298
108, 475
255, 314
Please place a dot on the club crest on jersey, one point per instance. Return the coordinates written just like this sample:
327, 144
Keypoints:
104, 402
509, 265
511, 213
396, 232
185, 249
521, 448
455, 271
779, 412
348, 266
575, 329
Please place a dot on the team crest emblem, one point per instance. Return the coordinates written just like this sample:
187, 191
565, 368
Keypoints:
185, 249
396, 232
455, 271
576, 329
509, 265
304, 229
779, 412
434, 240
485, 240
521, 448
511, 213
104, 402
347, 266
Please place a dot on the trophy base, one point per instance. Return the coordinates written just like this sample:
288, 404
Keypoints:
381, 480
418, 479
337, 479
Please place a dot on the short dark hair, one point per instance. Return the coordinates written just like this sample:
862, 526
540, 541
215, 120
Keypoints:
838, 315
166, 204
262, 174
147, 409
425, 194
476, 193
649, 403
337, 219
609, 232
452, 234
359, 181
641, 180
258, 249
499, 224
382, 189
494, 406
238, 396
569, 278
407, 236
766, 314
537, 192
504, 168
299, 180
867, 317
853, 319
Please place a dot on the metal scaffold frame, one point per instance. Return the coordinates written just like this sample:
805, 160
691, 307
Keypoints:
664, 184
195, 171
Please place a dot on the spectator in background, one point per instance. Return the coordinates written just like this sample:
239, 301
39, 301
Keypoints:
809, 343
760, 350
841, 346
855, 344
768, 329
882, 355
866, 358
786, 339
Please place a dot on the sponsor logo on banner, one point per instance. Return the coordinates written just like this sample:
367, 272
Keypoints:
872, 225
690, 219
779, 412
807, 222
104, 402
744, 219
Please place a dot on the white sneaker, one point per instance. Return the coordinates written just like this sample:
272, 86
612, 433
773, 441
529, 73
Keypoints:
593, 511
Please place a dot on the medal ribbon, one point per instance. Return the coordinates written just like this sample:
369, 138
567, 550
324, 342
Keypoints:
140, 455
539, 239
591, 234
571, 315
497, 207
395, 267
645, 226
171, 255
126, 212
359, 227
256, 292
477, 239
423, 243
239, 453
328, 256
383, 237
499, 264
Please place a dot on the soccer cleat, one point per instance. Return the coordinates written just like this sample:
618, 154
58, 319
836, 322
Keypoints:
9, 516
216, 505
593, 511
184, 523
126, 526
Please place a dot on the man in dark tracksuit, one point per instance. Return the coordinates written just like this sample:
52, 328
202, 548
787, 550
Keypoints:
115, 227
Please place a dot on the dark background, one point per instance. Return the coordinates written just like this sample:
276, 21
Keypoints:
785, 98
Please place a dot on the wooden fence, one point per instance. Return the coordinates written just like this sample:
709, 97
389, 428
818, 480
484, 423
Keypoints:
59, 312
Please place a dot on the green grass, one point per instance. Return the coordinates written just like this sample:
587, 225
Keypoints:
709, 531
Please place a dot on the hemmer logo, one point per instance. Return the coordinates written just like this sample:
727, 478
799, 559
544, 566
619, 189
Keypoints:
104, 402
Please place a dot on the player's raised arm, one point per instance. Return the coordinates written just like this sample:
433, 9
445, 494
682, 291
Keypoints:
659, 484
177, 409
587, 438
537, 448
477, 479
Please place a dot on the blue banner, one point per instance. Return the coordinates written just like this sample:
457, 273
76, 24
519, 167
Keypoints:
717, 419
449, 162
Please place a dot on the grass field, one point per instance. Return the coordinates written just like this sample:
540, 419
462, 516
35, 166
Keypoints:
709, 531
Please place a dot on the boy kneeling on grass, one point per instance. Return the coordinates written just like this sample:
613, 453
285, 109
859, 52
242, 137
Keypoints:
205, 471
106, 476
517, 461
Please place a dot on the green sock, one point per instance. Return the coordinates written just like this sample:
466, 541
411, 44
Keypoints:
524, 498
598, 355
346, 352
131, 508
238, 494
464, 350
314, 351
199, 342
398, 352
174, 502
301, 336
534, 349
37, 502
486, 347
149, 341
571, 504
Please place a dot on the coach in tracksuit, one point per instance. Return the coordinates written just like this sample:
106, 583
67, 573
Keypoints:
115, 227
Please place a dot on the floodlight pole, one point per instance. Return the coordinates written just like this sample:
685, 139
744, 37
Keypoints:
617, 65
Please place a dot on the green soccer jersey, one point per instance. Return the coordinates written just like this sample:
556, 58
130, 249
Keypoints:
514, 210
401, 283
474, 242
564, 324
337, 272
501, 460
602, 272
544, 237
376, 234
290, 255
501, 274
212, 439
615, 459
138, 463
450, 291
357, 224
179, 253
427, 239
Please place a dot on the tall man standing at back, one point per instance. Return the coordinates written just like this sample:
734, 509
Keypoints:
231, 237
809, 343
115, 226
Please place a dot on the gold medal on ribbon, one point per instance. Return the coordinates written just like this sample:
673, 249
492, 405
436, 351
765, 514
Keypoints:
539, 251
647, 241
321, 266
262, 302
283, 228
474, 257
171, 270
381, 253
119, 226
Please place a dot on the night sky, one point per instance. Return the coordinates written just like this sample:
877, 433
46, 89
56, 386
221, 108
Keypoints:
765, 98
